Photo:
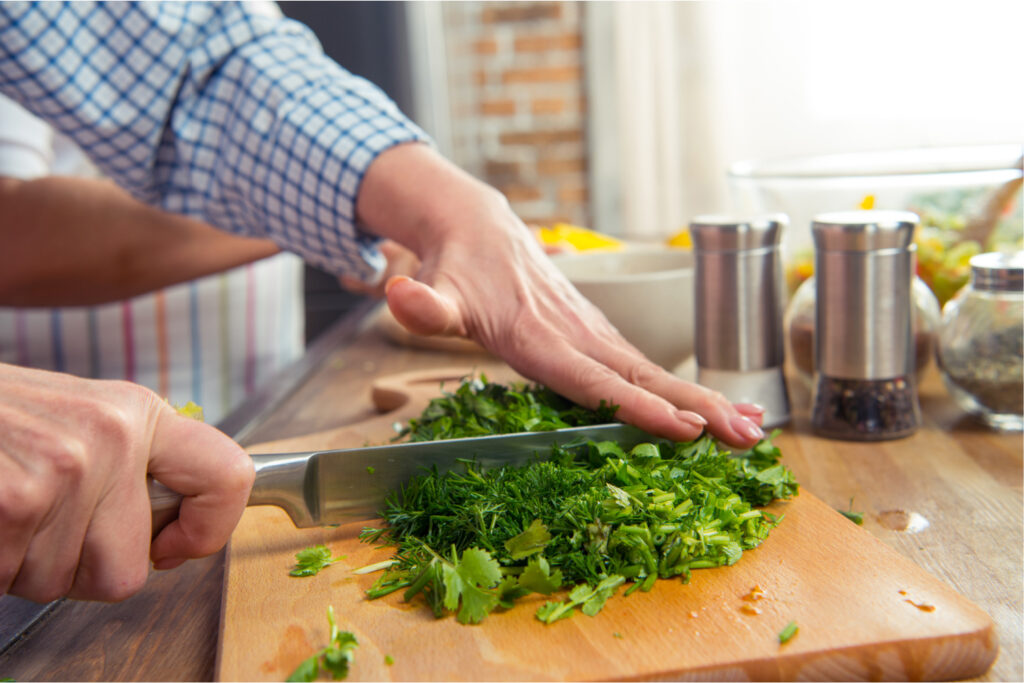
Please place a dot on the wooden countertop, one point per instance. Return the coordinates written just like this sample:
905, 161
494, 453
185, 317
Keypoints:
949, 498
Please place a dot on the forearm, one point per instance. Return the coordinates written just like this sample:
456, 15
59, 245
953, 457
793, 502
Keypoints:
79, 241
237, 119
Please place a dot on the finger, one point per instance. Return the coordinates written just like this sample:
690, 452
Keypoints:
729, 423
213, 474
421, 309
114, 562
41, 536
580, 378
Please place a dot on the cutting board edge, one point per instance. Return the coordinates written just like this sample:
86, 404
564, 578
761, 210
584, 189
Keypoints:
982, 648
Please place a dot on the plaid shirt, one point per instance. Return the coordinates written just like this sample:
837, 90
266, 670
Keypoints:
214, 110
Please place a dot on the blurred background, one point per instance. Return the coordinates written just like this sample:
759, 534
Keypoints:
627, 117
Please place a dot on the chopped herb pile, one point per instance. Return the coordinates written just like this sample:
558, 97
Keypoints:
588, 519
336, 657
481, 408
310, 561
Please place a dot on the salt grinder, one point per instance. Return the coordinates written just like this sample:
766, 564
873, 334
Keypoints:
740, 299
865, 388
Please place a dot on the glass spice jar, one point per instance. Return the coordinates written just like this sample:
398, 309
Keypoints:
799, 327
864, 388
981, 341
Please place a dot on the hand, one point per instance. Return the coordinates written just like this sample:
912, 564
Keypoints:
400, 260
74, 508
483, 276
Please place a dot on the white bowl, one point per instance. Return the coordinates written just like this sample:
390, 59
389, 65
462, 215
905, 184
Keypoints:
645, 291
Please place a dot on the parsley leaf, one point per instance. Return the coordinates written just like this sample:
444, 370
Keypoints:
335, 658
310, 561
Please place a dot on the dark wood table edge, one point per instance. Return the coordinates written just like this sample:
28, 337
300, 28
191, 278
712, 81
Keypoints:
28, 616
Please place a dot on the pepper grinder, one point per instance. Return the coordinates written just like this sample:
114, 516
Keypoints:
865, 389
740, 301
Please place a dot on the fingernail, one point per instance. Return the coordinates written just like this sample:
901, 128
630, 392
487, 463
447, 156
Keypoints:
691, 418
392, 281
750, 408
746, 427
167, 563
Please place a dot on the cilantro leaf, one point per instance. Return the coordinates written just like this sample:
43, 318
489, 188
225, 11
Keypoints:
310, 561
531, 541
335, 658
538, 577
469, 580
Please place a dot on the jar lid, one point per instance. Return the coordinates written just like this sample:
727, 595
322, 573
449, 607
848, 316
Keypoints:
864, 230
727, 233
998, 271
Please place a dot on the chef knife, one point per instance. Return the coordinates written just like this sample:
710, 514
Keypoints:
332, 487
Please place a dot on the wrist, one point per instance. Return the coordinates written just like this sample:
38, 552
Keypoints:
414, 196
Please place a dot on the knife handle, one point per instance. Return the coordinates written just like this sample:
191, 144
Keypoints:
280, 480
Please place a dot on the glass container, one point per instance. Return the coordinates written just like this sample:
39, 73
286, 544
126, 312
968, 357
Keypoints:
980, 341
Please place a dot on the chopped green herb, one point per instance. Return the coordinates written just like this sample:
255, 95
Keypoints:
310, 561
855, 517
481, 408
786, 634
388, 660
618, 635
335, 658
592, 515
370, 469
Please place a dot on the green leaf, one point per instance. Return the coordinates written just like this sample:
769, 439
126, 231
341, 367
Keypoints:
551, 612
310, 561
786, 634
468, 582
306, 671
335, 658
533, 540
538, 577
338, 658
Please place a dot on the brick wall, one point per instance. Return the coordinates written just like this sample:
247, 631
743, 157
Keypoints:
517, 103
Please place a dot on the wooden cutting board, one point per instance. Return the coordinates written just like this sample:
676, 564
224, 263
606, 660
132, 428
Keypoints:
864, 611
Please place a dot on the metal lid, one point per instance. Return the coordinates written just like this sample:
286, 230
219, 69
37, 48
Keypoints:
864, 230
998, 271
726, 233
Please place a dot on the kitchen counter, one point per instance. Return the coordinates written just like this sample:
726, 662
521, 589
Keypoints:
949, 498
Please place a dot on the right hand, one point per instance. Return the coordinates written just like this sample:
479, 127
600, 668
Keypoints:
74, 509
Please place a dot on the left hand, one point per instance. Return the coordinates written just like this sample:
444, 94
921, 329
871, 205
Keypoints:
483, 276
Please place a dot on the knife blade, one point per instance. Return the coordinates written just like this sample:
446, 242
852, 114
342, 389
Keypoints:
318, 488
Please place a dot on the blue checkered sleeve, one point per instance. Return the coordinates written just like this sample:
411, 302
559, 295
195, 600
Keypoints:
211, 110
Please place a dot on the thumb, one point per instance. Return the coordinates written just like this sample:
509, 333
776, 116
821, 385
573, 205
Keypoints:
421, 309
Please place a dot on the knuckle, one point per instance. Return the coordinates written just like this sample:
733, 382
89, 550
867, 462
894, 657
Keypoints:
643, 373
67, 455
22, 501
240, 473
